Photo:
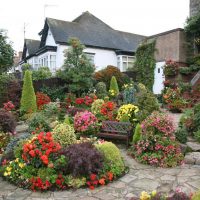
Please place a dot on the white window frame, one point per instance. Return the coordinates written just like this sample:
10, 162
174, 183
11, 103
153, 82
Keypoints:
124, 62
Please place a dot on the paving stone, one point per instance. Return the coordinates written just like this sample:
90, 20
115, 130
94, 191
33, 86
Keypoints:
195, 184
167, 178
195, 146
128, 178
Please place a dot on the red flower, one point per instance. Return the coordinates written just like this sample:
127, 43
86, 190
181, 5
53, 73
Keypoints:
58, 182
44, 159
93, 177
32, 153
102, 181
91, 187
110, 176
79, 101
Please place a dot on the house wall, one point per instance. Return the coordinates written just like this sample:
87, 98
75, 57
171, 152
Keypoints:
50, 40
102, 57
171, 46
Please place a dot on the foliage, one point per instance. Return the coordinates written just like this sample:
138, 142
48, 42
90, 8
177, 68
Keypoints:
7, 122
77, 68
146, 102
114, 89
26, 66
64, 134
137, 133
145, 64
6, 53
84, 159
4, 140
181, 135
41, 74
101, 90
51, 110
112, 158
197, 135
28, 99
128, 113
129, 93
42, 99
96, 106
106, 74
170, 68
196, 196
85, 122
157, 145
38, 122
174, 100
197, 117
189, 70
75, 182
55, 92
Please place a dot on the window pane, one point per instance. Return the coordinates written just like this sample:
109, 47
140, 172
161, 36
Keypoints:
124, 58
131, 59
124, 66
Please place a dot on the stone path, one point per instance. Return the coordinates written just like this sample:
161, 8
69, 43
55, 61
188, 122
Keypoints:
140, 178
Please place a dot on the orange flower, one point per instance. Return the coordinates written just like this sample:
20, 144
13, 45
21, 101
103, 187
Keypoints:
102, 181
110, 176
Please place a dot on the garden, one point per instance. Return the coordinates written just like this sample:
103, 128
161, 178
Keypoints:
62, 148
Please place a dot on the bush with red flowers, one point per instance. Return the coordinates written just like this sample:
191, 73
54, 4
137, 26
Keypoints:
85, 102
9, 106
108, 111
42, 99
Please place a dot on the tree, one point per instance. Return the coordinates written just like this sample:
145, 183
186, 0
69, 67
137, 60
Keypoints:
28, 99
6, 53
78, 70
114, 85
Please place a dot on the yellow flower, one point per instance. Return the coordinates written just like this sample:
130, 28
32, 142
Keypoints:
5, 174
153, 193
17, 160
8, 169
21, 165
144, 196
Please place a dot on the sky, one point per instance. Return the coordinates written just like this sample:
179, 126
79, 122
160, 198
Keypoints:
144, 17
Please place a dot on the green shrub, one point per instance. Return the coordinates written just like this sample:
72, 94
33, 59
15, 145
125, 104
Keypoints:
181, 135
75, 182
137, 134
197, 117
41, 73
38, 121
112, 158
96, 106
114, 86
196, 196
64, 134
146, 101
197, 135
51, 110
28, 99
101, 90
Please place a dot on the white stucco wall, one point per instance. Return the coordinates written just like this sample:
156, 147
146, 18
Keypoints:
102, 57
50, 40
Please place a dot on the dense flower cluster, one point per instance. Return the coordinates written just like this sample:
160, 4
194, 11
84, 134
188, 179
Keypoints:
37, 183
94, 180
42, 99
85, 122
170, 68
157, 145
39, 149
127, 113
107, 110
9, 106
85, 101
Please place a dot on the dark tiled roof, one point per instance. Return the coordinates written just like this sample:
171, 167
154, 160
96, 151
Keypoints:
32, 45
92, 32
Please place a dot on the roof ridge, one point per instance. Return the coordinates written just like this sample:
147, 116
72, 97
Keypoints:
132, 33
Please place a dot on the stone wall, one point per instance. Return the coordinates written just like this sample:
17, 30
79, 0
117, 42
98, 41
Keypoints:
194, 7
170, 45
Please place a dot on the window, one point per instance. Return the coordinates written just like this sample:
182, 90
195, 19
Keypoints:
118, 61
36, 64
90, 56
127, 62
53, 62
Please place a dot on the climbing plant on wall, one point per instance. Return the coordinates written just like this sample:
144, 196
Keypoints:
145, 64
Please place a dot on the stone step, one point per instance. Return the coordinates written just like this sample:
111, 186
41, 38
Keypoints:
192, 158
194, 146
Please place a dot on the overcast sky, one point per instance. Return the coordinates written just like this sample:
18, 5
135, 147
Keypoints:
145, 17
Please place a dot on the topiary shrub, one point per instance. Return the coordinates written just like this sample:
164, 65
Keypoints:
7, 122
101, 90
64, 134
28, 99
83, 159
96, 106
137, 134
114, 89
38, 122
112, 158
